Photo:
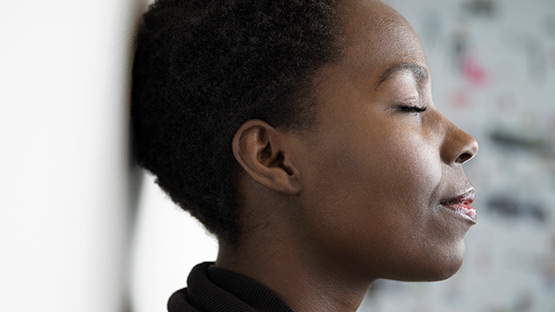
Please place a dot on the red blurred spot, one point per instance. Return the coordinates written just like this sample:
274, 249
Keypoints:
474, 71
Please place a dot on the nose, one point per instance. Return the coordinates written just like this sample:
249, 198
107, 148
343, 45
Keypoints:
458, 146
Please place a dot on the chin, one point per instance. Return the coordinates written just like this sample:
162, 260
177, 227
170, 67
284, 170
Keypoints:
446, 271
445, 265
431, 273
431, 267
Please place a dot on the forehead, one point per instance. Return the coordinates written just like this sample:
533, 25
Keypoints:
375, 37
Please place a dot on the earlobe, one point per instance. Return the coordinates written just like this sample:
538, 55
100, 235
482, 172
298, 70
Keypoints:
260, 149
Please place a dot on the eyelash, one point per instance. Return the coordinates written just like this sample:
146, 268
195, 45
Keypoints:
412, 109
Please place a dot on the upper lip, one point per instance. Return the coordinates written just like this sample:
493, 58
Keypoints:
465, 198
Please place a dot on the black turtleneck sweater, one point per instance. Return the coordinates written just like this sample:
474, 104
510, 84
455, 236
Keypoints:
211, 289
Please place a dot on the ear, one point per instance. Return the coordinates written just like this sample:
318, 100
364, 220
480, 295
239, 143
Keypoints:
261, 151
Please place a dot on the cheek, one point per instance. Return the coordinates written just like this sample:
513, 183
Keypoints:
376, 185
378, 197
397, 169
406, 165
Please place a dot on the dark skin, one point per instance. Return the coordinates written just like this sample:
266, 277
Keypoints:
359, 196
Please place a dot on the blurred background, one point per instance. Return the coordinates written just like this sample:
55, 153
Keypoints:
82, 229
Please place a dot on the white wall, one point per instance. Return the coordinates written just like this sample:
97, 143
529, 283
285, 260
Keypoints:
64, 85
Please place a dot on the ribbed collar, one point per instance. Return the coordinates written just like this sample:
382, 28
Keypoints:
211, 289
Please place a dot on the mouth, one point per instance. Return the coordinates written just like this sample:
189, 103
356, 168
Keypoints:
461, 205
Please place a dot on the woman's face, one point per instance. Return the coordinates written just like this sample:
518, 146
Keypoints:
383, 185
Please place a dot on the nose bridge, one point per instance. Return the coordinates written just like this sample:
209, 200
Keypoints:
458, 146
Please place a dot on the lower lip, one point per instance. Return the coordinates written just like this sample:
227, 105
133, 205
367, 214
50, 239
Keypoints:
465, 211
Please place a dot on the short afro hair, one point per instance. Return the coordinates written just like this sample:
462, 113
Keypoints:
201, 69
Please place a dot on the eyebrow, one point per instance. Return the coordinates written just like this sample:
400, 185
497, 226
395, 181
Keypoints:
419, 72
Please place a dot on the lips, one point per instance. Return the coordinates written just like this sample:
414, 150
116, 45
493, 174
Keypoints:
461, 205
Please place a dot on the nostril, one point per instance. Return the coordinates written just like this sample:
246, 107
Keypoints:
458, 146
464, 157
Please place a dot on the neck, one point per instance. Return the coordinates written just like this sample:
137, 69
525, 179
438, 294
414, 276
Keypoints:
305, 282
277, 249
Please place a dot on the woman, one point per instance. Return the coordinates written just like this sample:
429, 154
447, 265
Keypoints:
303, 135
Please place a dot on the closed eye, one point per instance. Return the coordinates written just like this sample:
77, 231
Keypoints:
412, 108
